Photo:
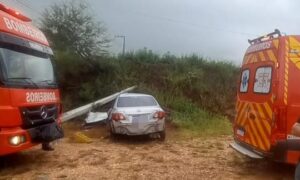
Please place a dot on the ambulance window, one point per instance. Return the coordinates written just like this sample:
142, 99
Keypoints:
263, 79
244, 81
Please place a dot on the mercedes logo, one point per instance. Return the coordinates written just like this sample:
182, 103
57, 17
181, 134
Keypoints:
44, 112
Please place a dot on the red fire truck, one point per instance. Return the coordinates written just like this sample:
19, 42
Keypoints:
268, 99
30, 107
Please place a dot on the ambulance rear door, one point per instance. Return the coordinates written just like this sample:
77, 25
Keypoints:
254, 105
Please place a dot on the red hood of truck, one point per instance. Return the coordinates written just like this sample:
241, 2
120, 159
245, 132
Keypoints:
12, 99
31, 97
20, 28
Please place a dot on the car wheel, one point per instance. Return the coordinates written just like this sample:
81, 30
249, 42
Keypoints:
111, 131
113, 135
108, 127
162, 135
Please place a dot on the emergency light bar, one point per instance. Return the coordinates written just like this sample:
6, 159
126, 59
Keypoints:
14, 13
265, 37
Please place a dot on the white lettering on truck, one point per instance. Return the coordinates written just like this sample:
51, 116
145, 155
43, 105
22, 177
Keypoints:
25, 29
259, 47
40, 97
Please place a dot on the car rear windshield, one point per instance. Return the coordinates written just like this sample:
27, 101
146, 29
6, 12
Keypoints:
136, 101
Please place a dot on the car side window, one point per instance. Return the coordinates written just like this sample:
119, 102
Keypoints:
244, 81
263, 79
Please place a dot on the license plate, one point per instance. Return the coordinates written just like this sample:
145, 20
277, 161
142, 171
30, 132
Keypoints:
139, 121
240, 132
141, 117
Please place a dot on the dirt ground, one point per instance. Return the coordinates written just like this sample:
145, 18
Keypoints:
138, 158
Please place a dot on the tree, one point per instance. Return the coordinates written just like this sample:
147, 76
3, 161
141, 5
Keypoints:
69, 27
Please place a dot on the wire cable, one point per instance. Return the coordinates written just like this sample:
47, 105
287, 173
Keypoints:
196, 25
28, 6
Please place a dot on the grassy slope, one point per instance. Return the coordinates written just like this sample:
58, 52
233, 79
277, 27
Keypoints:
199, 93
189, 118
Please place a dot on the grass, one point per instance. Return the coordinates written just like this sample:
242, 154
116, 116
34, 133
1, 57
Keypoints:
189, 118
198, 92
202, 123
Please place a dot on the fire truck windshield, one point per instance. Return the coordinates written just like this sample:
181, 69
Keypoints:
26, 69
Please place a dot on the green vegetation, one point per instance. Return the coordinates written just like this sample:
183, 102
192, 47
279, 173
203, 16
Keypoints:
197, 92
70, 27
188, 116
190, 88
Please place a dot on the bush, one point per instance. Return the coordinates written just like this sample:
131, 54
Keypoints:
209, 84
188, 116
198, 92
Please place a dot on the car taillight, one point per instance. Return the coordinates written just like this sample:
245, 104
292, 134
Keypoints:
159, 114
118, 116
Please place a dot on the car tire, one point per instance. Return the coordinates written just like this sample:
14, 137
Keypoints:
108, 127
111, 131
113, 135
162, 135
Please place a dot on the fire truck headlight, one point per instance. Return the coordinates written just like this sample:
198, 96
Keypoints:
16, 140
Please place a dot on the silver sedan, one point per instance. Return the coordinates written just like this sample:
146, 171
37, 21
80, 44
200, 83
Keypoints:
136, 114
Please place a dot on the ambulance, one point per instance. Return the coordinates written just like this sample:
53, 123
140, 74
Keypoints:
268, 99
30, 107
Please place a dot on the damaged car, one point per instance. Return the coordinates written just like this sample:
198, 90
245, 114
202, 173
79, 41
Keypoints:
136, 114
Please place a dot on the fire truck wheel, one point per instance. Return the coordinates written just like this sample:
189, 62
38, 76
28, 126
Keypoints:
297, 172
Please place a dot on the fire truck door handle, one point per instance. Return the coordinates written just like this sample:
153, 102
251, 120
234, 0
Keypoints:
251, 116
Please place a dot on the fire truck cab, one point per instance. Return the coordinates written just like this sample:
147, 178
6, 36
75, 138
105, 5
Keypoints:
268, 99
30, 105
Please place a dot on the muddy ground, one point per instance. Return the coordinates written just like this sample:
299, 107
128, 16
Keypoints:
138, 158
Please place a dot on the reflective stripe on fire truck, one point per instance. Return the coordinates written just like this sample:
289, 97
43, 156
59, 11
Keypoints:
286, 73
264, 55
294, 53
258, 130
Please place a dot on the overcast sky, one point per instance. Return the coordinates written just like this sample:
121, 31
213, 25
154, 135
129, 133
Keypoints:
218, 29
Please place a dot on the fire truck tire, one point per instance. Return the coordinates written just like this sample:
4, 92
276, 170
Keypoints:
297, 172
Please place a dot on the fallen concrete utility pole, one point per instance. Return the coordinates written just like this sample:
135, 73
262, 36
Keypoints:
85, 109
